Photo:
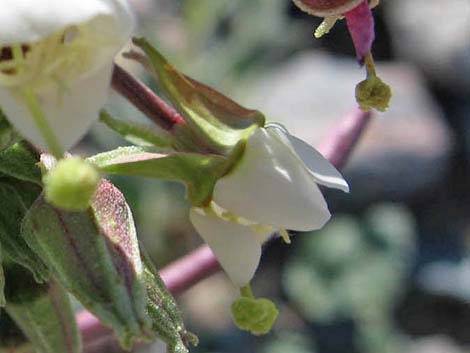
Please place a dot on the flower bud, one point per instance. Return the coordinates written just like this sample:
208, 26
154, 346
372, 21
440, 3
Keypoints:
373, 93
95, 256
71, 184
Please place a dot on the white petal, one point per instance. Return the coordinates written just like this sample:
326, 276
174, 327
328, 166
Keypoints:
70, 112
270, 185
236, 246
23, 21
320, 168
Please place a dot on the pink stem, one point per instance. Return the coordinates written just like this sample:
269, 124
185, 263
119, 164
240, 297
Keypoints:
144, 99
201, 263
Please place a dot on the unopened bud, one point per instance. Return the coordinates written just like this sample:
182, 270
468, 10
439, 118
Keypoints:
373, 93
71, 184
95, 256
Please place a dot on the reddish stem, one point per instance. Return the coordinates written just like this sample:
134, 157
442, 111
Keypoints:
144, 99
201, 263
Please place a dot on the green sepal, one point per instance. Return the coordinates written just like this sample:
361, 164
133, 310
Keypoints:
219, 122
164, 311
137, 134
95, 256
167, 320
20, 162
16, 197
42, 311
197, 171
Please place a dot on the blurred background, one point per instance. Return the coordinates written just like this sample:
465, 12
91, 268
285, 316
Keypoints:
391, 271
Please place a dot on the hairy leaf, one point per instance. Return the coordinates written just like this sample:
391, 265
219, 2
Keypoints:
15, 199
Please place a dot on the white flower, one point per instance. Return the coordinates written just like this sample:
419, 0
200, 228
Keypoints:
56, 57
272, 188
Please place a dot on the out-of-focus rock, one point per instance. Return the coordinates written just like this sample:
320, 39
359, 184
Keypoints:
404, 151
435, 34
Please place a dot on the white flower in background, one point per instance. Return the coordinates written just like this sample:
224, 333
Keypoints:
272, 188
56, 60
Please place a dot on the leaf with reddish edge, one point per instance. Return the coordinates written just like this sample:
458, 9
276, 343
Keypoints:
361, 26
94, 255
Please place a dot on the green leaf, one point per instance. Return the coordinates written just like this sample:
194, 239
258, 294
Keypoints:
95, 255
20, 161
136, 134
197, 171
8, 135
215, 118
42, 311
16, 198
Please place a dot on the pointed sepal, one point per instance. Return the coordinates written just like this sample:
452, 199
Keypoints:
197, 171
216, 119
167, 320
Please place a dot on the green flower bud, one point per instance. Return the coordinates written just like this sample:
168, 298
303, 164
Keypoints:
373, 93
71, 184
95, 256
254, 315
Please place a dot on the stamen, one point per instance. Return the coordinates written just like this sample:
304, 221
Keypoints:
285, 235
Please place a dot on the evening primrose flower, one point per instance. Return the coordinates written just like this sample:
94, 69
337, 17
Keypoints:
56, 61
273, 187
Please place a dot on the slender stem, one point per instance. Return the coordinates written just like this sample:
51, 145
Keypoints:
202, 263
144, 99
42, 124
